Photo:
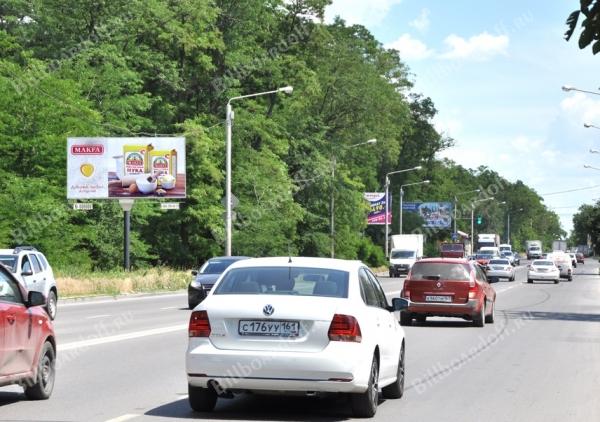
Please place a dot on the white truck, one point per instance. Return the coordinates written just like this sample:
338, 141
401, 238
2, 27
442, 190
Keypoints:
406, 250
559, 245
533, 249
488, 240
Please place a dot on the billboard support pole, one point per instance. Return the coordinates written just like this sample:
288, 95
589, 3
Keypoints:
401, 200
126, 205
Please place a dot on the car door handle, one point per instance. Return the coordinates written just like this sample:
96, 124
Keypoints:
11, 319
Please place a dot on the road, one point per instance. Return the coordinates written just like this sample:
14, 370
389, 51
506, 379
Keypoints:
123, 360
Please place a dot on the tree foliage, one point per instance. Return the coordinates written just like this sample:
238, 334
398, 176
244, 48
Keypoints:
589, 13
145, 67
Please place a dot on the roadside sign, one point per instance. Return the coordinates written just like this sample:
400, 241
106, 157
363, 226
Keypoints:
87, 206
169, 205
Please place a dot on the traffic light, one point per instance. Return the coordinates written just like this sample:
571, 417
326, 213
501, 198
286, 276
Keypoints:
479, 220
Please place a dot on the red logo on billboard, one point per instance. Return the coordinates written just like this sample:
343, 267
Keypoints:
95, 149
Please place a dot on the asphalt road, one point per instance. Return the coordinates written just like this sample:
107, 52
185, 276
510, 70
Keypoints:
123, 360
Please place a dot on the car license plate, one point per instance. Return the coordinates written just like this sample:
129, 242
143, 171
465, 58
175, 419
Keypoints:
497, 268
445, 299
269, 328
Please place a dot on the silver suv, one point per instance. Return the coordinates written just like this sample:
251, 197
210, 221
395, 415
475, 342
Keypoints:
31, 268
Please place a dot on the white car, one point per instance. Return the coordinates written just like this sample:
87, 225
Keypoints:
543, 269
500, 268
34, 272
573, 260
299, 326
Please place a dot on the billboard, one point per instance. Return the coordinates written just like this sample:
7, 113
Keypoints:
377, 212
434, 214
106, 168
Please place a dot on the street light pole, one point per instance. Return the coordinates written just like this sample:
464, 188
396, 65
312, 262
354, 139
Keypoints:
508, 225
424, 182
229, 125
387, 207
456, 202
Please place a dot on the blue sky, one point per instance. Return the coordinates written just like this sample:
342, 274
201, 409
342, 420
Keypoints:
494, 70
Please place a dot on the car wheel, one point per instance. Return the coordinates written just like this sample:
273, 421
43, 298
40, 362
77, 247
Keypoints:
51, 307
556, 281
202, 399
489, 319
405, 319
46, 373
391, 275
529, 280
479, 319
570, 277
396, 389
364, 405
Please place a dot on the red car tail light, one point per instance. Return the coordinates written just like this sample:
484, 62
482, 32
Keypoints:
199, 324
344, 328
405, 294
472, 290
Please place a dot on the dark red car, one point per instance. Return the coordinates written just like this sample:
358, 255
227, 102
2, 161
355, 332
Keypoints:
448, 287
580, 258
27, 342
452, 250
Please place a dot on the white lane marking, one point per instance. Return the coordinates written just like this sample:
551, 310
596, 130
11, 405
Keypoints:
121, 300
170, 307
123, 418
97, 316
120, 337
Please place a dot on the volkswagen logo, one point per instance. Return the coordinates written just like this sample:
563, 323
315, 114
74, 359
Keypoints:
439, 285
268, 310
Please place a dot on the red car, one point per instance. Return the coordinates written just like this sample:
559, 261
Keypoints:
580, 258
27, 342
448, 287
452, 250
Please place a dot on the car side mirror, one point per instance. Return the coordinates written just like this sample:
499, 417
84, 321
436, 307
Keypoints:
399, 304
27, 273
35, 299
194, 272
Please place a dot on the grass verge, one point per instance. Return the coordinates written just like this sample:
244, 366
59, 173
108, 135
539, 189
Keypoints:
113, 283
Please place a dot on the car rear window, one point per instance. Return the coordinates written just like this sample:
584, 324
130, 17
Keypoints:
295, 281
402, 254
10, 261
440, 270
215, 267
499, 262
542, 263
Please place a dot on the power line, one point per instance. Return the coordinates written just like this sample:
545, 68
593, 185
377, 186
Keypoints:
571, 190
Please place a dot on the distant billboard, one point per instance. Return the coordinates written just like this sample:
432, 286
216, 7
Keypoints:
377, 208
106, 168
434, 214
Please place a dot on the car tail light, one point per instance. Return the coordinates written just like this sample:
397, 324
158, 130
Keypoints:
472, 290
199, 324
344, 328
405, 294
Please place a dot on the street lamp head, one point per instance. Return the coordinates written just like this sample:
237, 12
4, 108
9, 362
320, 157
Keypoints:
587, 166
371, 141
588, 125
417, 168
594, 151
286, 89
567, 88
426, 181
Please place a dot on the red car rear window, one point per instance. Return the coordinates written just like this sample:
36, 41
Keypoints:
440, 271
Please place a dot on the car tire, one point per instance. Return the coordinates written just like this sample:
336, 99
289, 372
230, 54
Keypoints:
479, 319
489, 319
556, 281
51, 305
391, 274
202, 399
529, 280
405, 319
45, 376
570, 278
192, 304
364, 405
396, 389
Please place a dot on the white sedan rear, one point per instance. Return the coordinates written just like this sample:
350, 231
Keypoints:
296, 326
543, 269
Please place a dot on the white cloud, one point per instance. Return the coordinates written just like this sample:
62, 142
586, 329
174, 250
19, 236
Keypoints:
582, 108
523, 144
368, 13
422, 22
448, 126
478, 47
410, 48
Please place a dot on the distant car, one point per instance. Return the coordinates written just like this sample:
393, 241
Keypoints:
206, 276
484, 258
296, 326
508, 255
448, 287
32, 269
543, 269
580, 258
27, 342
500, 268
516, 258
565, 265
573, 259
